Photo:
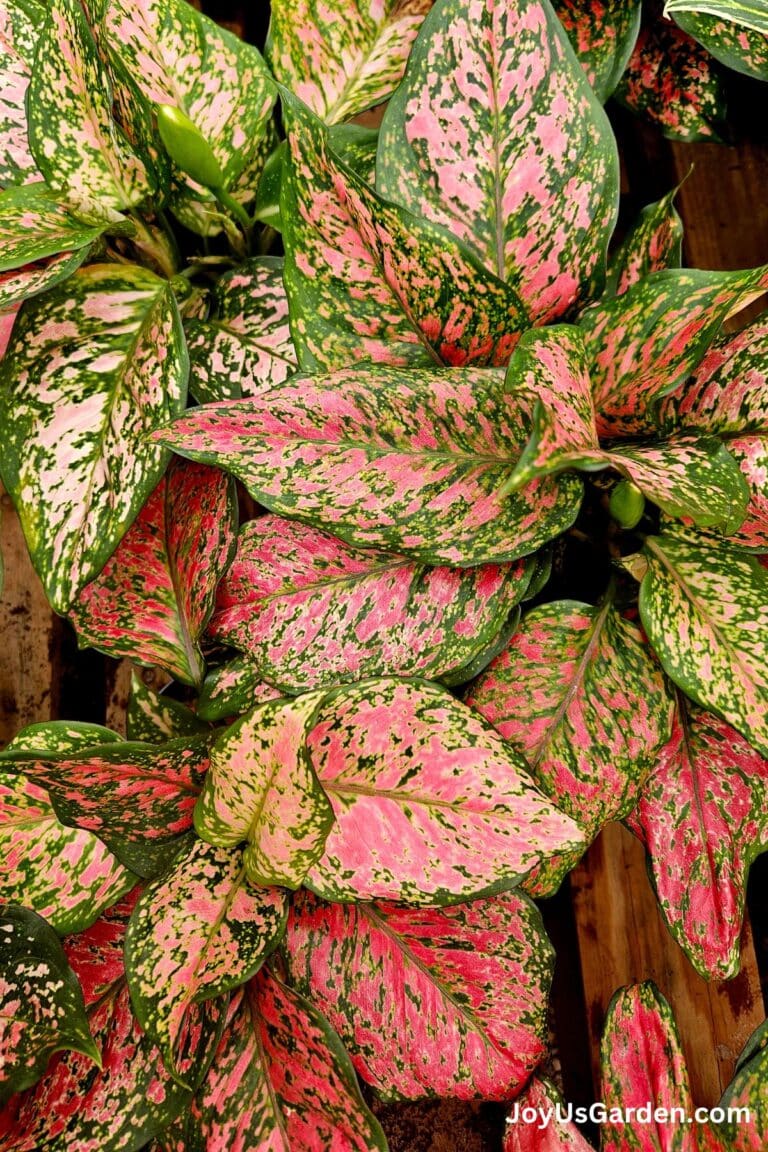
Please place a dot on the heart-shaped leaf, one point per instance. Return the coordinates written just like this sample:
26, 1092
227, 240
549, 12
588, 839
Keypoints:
602, 36
178, 547
309, 610
495, 134
653, 243
262, 789
407, 461
346, 59
154, 718
91, 368
447, 808
18, 36
725, 37
196, 932
431, 1001
340, 235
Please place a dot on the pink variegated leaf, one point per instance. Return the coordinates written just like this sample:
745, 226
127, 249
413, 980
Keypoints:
747, 1131
153, 598
346, 57
710, 787
496, 135
41, 1004
231, 689
403, 460
560, 1133
578, 694
431, 805
244, 346
642, 345
433, 1001
704, 607
366, 280
19, 31
262, 789
133, 1097
7, 320
92, 367
34, 226
196, 932
66, 875
20, 284
673, 82
309, 610
280, 1081
603, 34
154, 718
718, 29
653, 243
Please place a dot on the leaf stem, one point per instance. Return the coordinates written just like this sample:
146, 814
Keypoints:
231, 205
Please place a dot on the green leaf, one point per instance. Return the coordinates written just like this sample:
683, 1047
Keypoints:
22, 283
705, 610
407, 461
195, 933
496, 134
231, 689
653, 243
34, 225
41, 1004
18, 37
155, 718
90, 369
261, 788
57, 738
603, 36
745, 13
748, 1090
732, 43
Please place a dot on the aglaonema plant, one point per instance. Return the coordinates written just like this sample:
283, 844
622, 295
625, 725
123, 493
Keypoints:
397, 710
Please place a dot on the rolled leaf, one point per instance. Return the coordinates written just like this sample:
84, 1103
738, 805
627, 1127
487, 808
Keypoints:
153, 598
431, 805
434, 1001
653, 243
380, 459
516, 159
154, 718
309, 610
603, 36
195, 933
76, 460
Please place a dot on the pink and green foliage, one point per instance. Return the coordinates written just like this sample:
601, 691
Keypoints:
734, 44
18, 35
603, 34
653, 243
154, 718
560, 1135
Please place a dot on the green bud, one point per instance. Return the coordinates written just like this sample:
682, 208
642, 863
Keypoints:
187, 147
626, 504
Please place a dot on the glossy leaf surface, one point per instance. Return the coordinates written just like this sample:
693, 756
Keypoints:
653, 243
20, 284
744, 13
231, 689
603, 35
155, 718
33, 225
732, 43
18, 36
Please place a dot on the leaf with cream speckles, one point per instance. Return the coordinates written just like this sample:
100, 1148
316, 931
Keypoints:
407, 461
496, 135
704, 608
433, 1001
449, 811
57, 738
309, 610
245, 346
342, 57
20, 284
153, 598
64, 874
281, 1081
709, 788
748, 1090
603, 34
18, 35
33, 225
653, 243
560, 1135
578, 694
262, 789
154, 718
743, 13
76, 144
196, 932
742, 48
41, 1004
231, 689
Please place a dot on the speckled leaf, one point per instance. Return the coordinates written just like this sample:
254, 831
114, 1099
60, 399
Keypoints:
195, 933
56, 738
154, 597
262, 789
578, 694
744, 13
734, 45
368, 281
643, 344
603, 34
64, 874
33, 225
41, 1005
92, 367
138, 799
672, 82
495, 134
75, 142
281, 1081
154, 718
433, 1001
20, 284
245, 346
560, 1135
431, 805
18, 36
408, 461
705, 610
231, 689
748, 1090
342, 57
702, 818
653, 243
309, 610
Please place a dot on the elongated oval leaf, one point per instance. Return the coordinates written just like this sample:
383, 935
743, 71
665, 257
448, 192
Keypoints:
408, 461
434, 1001
745, 13
653, 243
495, 134
602, 36
705, 610
22, 283
449, 811
730, 42
33, 225
18, 35
195, 933
91, 368
154, 596
309, 610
